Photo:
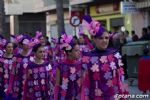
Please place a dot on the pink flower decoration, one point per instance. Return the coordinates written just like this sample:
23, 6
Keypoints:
105, 67
103, 59
33, 42
3, 42
26, 41
120, 63
35, 70
94, 27
109, 83
49, 67
68, 47
38, 34
72, 70
110, 58
42, 81
117, 55
69, 38
121, 70
19, 59
113, 65
66, 38
65, 80
42, 69
19, 38
95, 68
85, 59
98, 92
6, 61
25, 65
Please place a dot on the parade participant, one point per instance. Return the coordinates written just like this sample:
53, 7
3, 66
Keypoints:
59, 55
2, 43
5, 67
47, 47
103, 77
68, 74
39, 83
18, 76
85, 43
16, 39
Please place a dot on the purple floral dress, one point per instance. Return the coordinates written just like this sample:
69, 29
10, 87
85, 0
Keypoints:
70, 80
5, 72
19, 75
39, 81
103, 77
84, 48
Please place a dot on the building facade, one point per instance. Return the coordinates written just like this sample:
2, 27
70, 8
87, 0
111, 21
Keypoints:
26, 16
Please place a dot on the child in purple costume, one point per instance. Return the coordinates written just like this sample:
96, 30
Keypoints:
68, 74
39, 83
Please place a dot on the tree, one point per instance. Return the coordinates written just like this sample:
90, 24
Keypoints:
60, 17
2, 16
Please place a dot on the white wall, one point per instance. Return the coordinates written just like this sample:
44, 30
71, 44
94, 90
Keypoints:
29, 6
139, 20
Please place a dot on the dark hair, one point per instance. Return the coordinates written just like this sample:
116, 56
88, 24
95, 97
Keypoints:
47, 37
1, 36
144, 30
148, 27
146, 51
36, 47
133, 32
7, 44
127, 32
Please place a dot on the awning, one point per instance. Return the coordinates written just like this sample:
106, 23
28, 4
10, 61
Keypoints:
75, 2
143, 4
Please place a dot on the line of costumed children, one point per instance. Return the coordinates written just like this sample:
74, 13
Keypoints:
68, 70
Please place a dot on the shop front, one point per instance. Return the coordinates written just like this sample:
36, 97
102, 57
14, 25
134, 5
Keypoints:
110, 16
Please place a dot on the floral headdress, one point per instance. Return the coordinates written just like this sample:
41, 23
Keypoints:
94, 27
66, 42
35, 40
38, 34
25, 39
3, 42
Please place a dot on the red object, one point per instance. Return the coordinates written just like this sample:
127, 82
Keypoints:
144, 74
78, 13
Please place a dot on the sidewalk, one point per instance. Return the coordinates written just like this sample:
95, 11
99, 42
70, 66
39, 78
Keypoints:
133, 90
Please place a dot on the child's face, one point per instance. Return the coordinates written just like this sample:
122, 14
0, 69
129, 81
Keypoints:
9, 48
40, 53
75, 53
42, 40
